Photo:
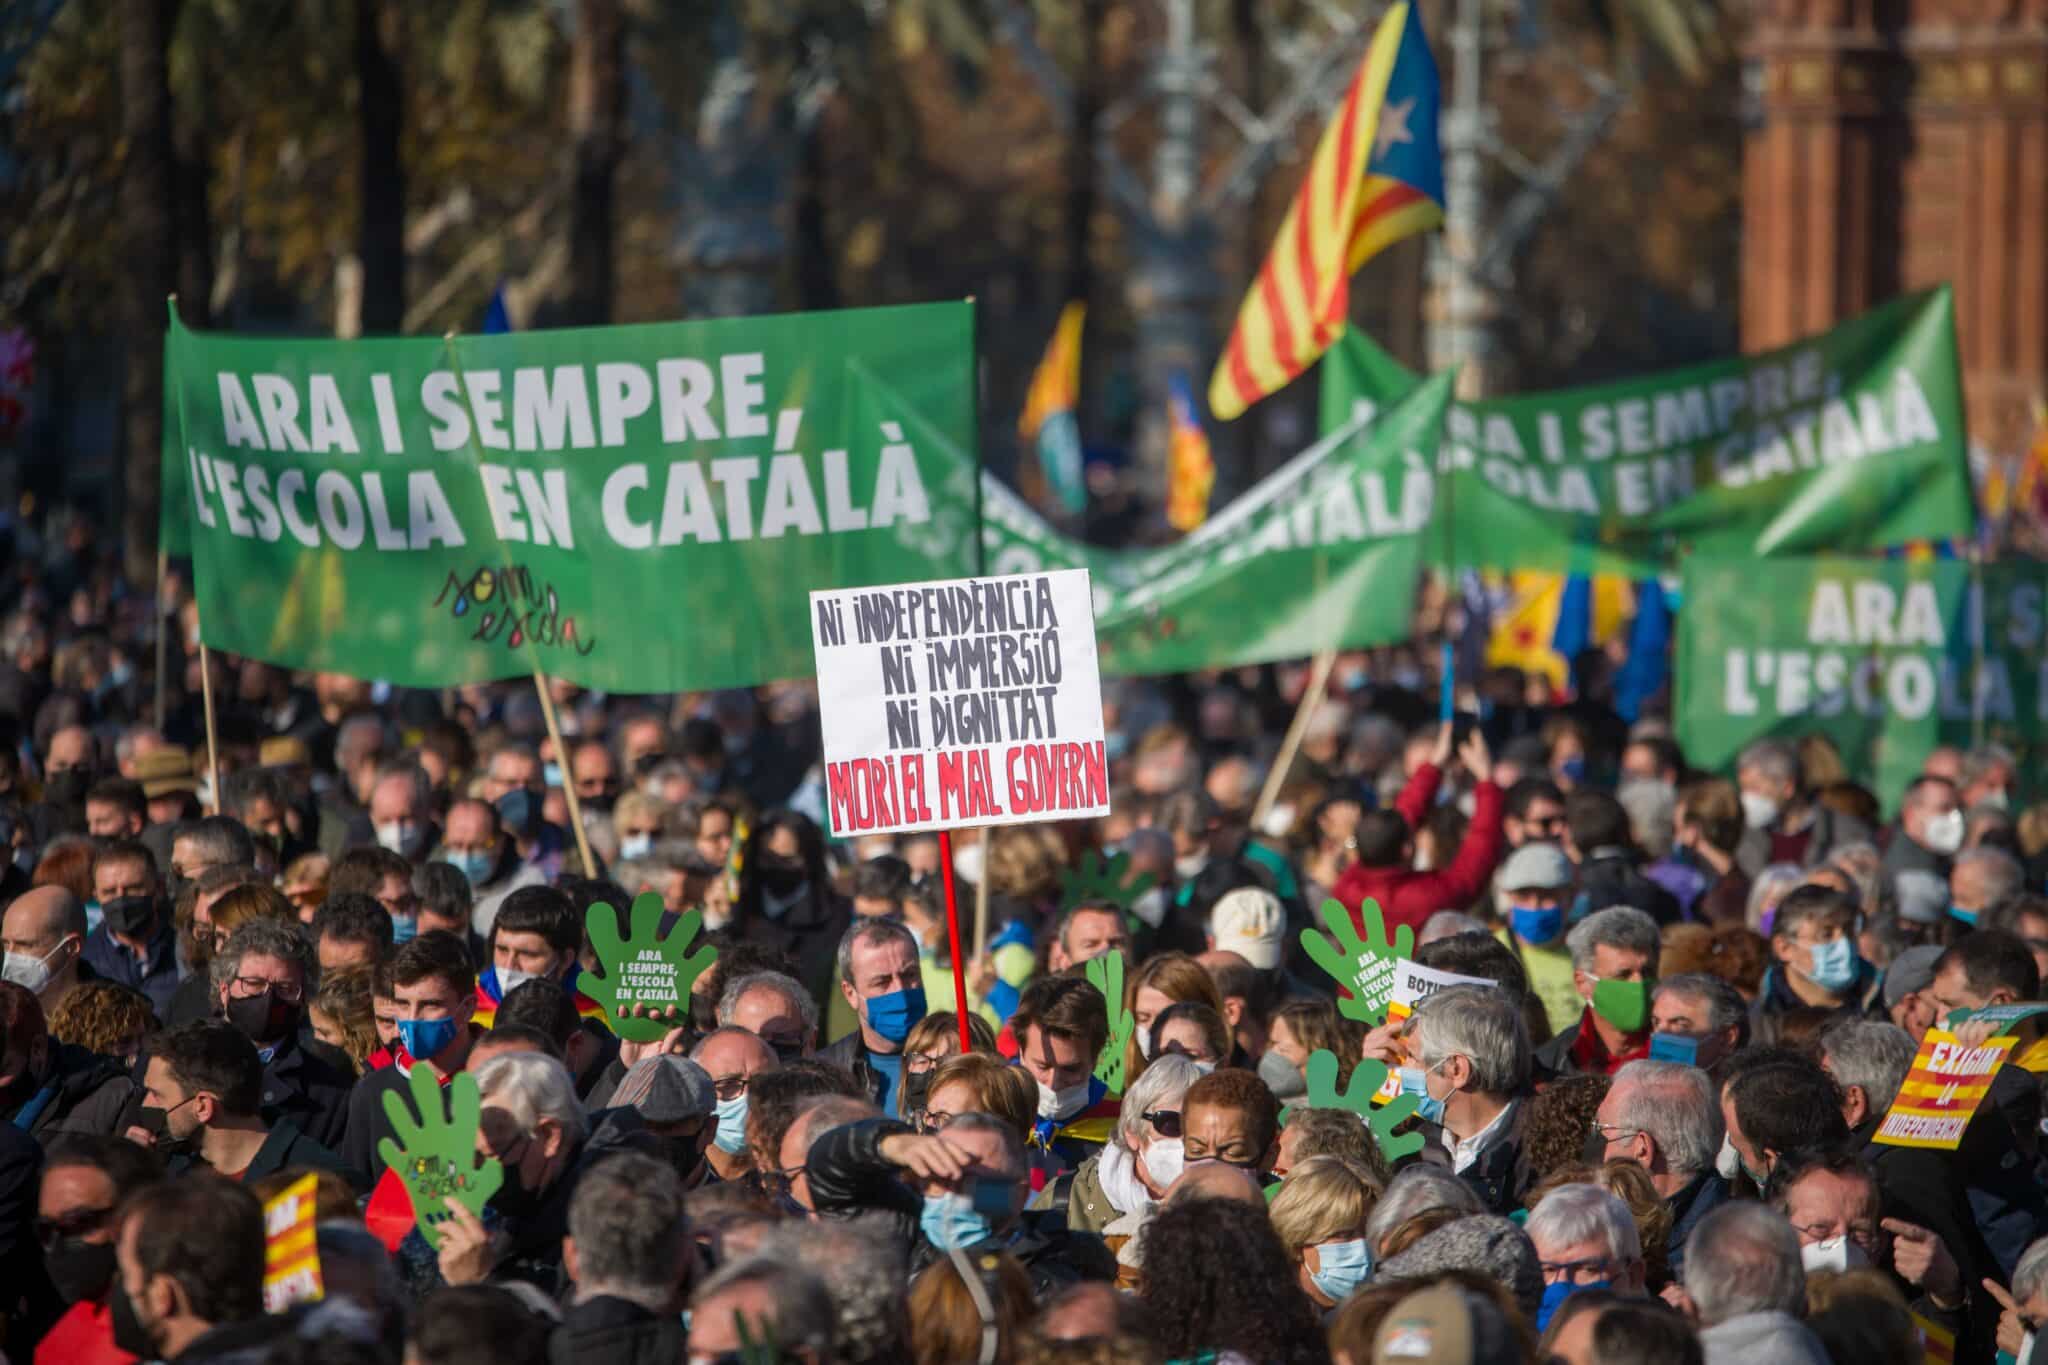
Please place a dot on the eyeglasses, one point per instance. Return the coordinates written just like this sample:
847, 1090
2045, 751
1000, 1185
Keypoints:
1603, 1129
778, 1183
1165, 1122
76, 1223
287, 991
729, 1087
1577, 1272
917, 1063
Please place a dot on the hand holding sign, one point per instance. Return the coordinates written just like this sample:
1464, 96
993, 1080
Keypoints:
1363, 966
644, 969
1366, 1078
1106, 974
435, 1157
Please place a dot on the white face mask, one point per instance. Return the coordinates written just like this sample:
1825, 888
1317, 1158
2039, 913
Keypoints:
1832, 1253
395, 835
32, 974
1728, 1161
1944, 833
636, 845
1145, 1043
1165, 1159
1759, 812
511, 979
1060, 1104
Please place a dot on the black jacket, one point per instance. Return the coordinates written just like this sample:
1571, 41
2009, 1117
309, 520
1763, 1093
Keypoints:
808, 935
848, 1176
609, 1331
1706, 1193
88, 1093
237, 1343
192, 1001
27, 1302
1501, 1175
305, 1083
851, 1055
1609, 877
285, 1147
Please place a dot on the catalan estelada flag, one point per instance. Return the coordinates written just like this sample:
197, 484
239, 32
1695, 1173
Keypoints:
1190, 470
1048, 421
1377, 177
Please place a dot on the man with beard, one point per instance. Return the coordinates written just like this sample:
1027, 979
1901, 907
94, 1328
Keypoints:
85, 1180
189, 1285
260, 984
201, 1101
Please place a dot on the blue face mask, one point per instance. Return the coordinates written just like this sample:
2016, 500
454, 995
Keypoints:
949, 1221
1966, 916
1554, 1296
1345, 1266
475, 866
1415, 1081
425, 1038
1572, 770
1834, 965
732, 1125
404, 929
1675, 1047
892, 1016
552, 774
1535, 925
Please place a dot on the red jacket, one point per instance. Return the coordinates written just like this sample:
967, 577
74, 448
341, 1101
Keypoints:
1408, 897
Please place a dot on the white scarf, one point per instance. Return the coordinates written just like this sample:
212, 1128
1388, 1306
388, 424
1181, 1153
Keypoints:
1118, 1172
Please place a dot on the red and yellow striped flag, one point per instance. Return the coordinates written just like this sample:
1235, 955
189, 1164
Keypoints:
1190, 469
1377, 177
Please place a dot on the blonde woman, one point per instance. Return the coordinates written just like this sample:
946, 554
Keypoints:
1320, 1214
1165, 980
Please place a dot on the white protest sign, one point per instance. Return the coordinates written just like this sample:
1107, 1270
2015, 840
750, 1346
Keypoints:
975, 701
1413, 984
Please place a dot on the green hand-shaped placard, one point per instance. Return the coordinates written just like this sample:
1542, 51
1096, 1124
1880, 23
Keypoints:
1366, 1079
1106, 974
1097, 879
1364, 967
435, 1156
644, 969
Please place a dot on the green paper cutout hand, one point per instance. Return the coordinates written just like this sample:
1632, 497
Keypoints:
1097, 879
1366, 1079
435, 1156
1364, 967
645, 968
1106, 974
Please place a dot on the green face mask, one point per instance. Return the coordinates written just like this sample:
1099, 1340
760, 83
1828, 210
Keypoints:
1624, 1004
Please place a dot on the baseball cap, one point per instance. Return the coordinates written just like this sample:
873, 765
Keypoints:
666, 1089
1443, 1325
1536, 867
1912, 970
1249, 922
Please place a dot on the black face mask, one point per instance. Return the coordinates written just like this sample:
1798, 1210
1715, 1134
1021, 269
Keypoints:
915, 1088
130, 915
67, 788
782, 879
129, 1333
683, 1153
80, 1269
263, 1019
157, 1123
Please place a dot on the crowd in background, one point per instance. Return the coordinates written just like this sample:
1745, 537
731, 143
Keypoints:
1645, 1134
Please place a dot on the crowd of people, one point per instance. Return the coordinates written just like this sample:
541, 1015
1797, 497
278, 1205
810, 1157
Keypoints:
1642, 1132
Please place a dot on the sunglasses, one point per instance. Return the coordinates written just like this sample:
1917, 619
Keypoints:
1165, 1122
77, 1223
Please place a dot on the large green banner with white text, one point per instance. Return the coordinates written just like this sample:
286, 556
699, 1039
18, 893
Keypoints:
645, 509
1888, 658
1850, 440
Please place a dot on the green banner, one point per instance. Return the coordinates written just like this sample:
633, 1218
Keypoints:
645, 509
1850, 440
1888, 658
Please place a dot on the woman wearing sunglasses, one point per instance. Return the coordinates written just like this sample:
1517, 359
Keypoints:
1115, 1191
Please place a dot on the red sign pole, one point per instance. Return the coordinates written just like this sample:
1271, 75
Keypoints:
953, 938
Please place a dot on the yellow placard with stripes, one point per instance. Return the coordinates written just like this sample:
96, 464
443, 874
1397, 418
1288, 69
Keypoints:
1948, 1080
291, 1260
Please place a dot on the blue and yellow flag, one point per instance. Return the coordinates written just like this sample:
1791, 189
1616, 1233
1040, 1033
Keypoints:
1048, 422
1190, 471
1377, 177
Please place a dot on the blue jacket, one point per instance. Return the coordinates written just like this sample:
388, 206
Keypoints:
156, 976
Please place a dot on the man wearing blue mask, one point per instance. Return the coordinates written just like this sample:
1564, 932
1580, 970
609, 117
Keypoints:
965, 1188
1471, 1072
1813, 942
433, 982
732, 1057
880, 980
1585, 1239
478, 844
1532, 891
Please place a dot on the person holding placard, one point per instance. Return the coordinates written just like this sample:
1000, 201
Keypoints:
1471, 1073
